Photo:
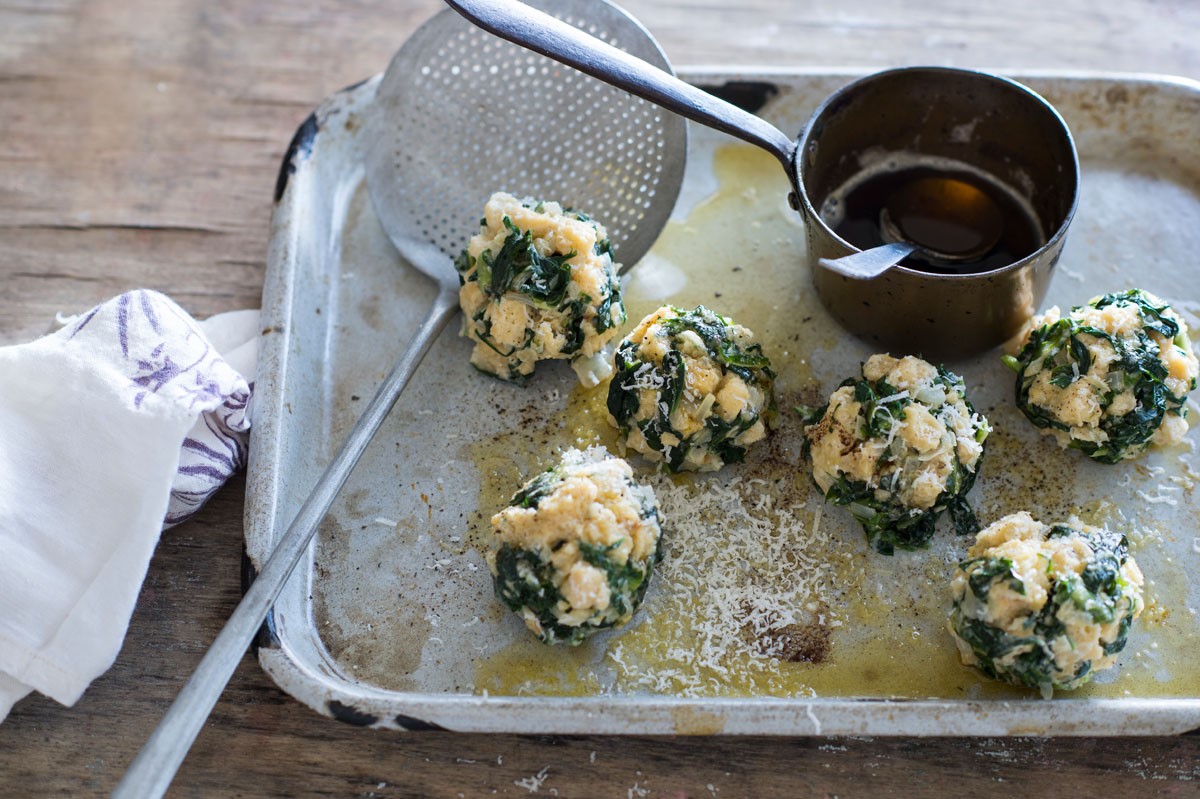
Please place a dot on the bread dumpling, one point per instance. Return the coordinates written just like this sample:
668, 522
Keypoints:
897, 447
576, 547
691, 390
1111, 378
538, 282
1044, 606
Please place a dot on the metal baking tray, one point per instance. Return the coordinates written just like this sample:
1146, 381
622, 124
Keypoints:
390, 621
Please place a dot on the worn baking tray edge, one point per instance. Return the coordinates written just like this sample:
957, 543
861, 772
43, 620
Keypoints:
319, 145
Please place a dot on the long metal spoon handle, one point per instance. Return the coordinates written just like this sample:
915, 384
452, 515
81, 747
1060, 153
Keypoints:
155, 765
542, 33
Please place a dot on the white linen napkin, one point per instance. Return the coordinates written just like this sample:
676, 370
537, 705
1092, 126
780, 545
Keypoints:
120, 424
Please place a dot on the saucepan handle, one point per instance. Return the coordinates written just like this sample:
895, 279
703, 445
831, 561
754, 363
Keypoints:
542, 33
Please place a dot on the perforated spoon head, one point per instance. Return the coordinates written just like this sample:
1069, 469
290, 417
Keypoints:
460, 114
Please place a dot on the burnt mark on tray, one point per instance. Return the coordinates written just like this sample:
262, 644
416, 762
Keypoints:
350, 715
410, 724
748, 95
301, 147
797, 643
266, 635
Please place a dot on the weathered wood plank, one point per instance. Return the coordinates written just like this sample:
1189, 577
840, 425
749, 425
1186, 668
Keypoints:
138, 147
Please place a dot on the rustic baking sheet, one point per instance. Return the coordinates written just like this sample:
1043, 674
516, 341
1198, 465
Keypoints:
770, 614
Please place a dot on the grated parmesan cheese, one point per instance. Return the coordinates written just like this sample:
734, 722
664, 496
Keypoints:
740, 568
534, 782
1159, 498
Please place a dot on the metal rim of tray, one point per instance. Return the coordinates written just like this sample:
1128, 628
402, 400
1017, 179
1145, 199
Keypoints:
623, 714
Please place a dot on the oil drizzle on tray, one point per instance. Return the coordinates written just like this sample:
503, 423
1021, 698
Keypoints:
871, 626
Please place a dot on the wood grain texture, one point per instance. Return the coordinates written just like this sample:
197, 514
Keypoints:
139, 141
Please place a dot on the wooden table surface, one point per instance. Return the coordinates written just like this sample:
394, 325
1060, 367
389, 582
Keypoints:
139, 141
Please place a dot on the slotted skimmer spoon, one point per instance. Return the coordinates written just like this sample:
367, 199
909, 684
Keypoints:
458, 115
